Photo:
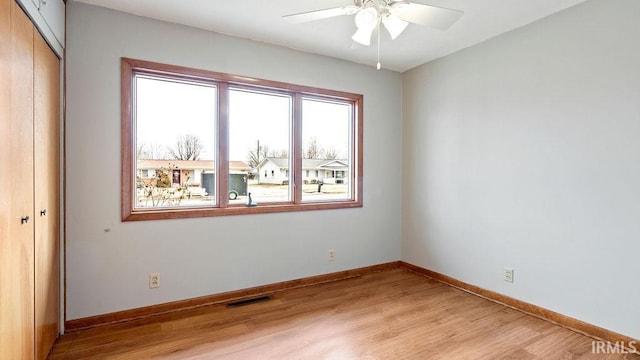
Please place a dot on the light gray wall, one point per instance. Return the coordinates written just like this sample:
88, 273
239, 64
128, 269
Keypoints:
524, 152
108, 271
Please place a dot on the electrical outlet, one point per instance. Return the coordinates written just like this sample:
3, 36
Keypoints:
154, 280
331, 255
508, 275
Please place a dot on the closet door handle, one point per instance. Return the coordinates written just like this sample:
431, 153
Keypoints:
43, 212
24, 220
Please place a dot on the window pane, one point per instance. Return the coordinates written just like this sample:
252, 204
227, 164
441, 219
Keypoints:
259, 147
326, 150
174, 142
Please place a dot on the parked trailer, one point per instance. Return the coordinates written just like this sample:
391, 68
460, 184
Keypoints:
237, 184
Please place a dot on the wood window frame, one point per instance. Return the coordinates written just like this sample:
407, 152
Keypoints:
131, 67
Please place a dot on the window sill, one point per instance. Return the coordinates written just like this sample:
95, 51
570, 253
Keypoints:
176, 213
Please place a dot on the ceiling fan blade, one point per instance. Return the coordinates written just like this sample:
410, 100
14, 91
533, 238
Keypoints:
320, 14
432, 16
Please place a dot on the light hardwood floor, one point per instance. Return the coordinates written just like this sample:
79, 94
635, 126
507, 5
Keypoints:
391, 314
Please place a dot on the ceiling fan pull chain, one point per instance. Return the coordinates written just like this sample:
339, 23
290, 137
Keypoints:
378, 65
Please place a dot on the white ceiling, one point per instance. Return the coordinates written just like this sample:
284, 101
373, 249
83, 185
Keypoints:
261, 20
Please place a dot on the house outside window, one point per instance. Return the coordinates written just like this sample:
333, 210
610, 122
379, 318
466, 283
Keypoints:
195, 160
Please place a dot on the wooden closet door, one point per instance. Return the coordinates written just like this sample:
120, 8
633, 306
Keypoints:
46, 157
6, 244
5, 128
16, 259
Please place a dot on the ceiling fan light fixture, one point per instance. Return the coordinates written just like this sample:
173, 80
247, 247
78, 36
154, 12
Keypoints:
367, 18
363, 36
394, 26
366, 21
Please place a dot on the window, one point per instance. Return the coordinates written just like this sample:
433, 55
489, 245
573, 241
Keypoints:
326, 140
260, 135
197, 143
175, 135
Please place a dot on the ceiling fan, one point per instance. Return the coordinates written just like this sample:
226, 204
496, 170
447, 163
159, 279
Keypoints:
394, 15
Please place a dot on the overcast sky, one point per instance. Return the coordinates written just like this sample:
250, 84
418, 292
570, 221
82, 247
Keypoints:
166, 110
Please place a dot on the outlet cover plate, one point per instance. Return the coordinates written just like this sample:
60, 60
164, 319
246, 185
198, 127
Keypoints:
154, 280
508, 275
